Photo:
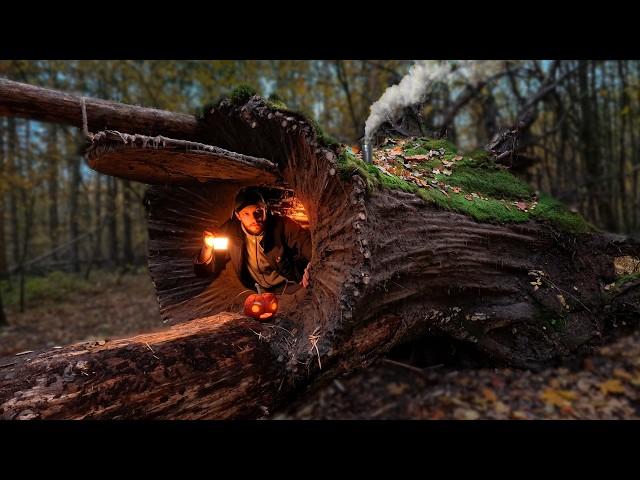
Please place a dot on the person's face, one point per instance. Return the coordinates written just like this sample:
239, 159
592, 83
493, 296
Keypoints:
251, 218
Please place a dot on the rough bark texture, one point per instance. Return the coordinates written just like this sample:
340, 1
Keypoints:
28, 101
386, 268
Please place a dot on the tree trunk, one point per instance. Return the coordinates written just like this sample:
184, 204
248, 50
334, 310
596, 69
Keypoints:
127, 238
386, 268
73, 160
52, 183
28, 101
3, 188
14, 175
112, 197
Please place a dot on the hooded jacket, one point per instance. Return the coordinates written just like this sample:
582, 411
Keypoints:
286, 245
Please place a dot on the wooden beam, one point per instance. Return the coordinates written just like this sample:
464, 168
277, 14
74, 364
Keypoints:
46, 105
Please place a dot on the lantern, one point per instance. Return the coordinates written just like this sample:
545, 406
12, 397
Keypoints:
260, 305
218, 243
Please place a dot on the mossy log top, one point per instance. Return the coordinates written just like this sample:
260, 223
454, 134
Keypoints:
469, 183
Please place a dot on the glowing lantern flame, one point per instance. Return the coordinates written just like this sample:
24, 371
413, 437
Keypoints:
219, 243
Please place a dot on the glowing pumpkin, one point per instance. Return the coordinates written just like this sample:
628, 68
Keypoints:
261, 305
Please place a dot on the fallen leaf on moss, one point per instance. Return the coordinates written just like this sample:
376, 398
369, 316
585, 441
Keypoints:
394, 152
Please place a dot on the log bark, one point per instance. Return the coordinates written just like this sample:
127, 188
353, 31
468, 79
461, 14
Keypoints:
47, 105
386, 268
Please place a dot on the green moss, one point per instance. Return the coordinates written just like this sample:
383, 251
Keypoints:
495, 189
555, 212
349, 164
241, 94
487, 181
421, 146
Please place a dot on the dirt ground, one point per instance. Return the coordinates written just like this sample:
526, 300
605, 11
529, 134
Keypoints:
605, 385
112, 306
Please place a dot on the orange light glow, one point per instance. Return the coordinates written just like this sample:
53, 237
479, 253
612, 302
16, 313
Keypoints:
256, 307
219, 243
274, 306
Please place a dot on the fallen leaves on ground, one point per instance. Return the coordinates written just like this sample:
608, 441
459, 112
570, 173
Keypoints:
605, 385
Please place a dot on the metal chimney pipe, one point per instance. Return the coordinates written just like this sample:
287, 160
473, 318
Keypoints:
367, 151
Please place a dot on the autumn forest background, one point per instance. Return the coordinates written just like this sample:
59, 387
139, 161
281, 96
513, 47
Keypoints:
73, 241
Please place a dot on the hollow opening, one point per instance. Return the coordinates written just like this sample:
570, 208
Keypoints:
178, 216
436, 351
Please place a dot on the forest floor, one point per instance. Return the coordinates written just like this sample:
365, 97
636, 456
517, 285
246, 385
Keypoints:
64, 309
604, 385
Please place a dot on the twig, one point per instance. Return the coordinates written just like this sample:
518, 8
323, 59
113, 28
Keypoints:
568, 293
404, 365
259, 335
281, 328
7, 364
313, 338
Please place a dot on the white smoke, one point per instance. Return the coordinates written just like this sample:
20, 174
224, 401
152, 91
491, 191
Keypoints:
422, 75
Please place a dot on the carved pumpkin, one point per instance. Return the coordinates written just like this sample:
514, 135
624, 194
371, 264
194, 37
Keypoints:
261, 305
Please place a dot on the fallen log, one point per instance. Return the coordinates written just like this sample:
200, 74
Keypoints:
47, 105
392, 261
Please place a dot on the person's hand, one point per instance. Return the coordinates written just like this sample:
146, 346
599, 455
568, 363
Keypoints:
207, 250
207, 234
305, 276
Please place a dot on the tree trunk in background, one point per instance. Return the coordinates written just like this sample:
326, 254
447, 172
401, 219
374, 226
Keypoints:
98, 253
52, 184
610, 155
74, 188
28, 203
127, 240
589, 153
625, 212
3, 243
344, 82
635, 161
3, 186
12, 171
112, 193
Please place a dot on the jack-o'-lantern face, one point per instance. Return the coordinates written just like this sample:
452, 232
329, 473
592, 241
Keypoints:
261, 305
